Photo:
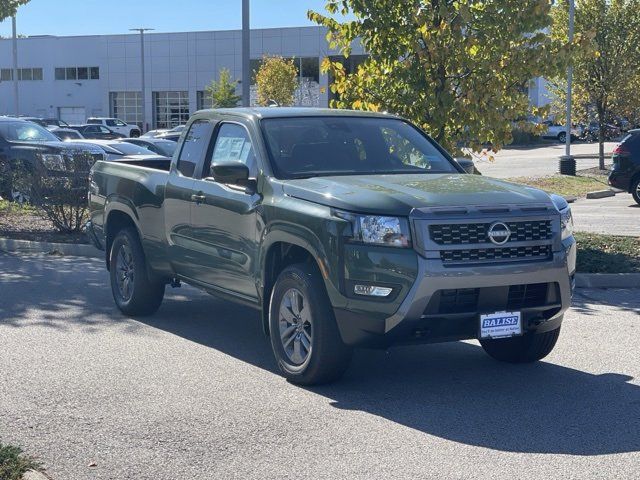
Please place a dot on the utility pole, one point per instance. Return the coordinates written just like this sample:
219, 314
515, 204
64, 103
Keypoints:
246, 58
144, 84
16, 100
567, 162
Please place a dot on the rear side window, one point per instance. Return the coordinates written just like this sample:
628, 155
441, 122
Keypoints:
94, 121
194, 147
631, 141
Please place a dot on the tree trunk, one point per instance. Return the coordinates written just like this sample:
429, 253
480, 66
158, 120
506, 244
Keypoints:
601, 115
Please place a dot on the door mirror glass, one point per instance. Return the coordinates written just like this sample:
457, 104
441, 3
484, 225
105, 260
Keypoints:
231, 173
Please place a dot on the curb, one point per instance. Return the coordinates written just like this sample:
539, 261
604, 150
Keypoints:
607, 280
70, 249
34, 475
600, 194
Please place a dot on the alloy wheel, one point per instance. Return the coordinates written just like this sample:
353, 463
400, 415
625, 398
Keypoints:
125, 272
294, 321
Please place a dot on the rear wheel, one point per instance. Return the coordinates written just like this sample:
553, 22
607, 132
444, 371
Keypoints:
530, 347
135, 133
562, 137
134, 292
635, 190
304, 335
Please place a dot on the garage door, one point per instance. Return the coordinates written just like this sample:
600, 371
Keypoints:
73, 115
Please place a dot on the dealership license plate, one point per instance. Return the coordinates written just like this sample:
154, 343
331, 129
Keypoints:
500, 324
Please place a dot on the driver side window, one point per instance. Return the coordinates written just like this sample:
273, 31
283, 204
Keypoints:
233, 145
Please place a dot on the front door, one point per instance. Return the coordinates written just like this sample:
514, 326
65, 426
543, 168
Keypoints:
224, 220
179, 195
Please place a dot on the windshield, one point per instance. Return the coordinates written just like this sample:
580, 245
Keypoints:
26, 132
130, 149
332, 145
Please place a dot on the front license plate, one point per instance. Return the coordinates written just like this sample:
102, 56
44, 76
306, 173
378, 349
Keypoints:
500, 324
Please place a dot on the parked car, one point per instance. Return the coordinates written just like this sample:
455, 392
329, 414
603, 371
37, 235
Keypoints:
625, 172
343, 229
99, 132
66, 133
163, 131
25, 142
116, 149
39, 121
116, 125
55, 123
559, 132
611, 132
171, 136
156, 145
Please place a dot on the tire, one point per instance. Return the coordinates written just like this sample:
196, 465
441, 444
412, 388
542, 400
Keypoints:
562, 137
635, 189
528, 348
305, 339
135, 295
135, 133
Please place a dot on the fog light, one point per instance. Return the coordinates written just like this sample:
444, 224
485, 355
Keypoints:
372, 290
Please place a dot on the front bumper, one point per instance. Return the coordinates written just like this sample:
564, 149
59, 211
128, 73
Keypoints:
416, 320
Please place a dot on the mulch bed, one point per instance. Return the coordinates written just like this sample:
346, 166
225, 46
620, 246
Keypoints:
21, 224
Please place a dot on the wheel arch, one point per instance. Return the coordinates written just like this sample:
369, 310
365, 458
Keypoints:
117, 217
281, 250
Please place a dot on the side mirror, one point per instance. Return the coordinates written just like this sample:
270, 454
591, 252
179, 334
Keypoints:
467, 165
231, 173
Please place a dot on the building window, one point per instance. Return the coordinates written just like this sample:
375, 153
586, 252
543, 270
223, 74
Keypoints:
170, 109
127, 106
78, 73
202, 100
6, 74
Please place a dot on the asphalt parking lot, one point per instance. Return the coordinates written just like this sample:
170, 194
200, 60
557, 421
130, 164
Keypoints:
538, 160
192, 393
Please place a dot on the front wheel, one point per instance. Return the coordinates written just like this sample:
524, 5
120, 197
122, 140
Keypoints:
134, 292
528, 348
635, 190
562, 137
304, 334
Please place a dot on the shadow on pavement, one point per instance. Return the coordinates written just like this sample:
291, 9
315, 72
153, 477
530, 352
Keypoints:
453, 391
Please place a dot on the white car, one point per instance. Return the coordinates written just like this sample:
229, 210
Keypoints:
557, 131
117, 125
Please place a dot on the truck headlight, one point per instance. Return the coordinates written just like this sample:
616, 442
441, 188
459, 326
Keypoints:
378, 229
566, 218
566, 222
53, 161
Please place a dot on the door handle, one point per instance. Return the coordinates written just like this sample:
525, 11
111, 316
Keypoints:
198, 198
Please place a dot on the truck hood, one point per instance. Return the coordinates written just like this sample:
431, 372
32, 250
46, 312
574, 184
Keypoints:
399, 194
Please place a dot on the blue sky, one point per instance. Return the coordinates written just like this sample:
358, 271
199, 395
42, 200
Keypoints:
86, 17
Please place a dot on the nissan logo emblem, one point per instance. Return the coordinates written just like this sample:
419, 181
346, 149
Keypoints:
499, 233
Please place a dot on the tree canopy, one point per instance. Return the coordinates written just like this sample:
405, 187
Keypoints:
8, 8
459, 69
222, 94
277, 80
606, 72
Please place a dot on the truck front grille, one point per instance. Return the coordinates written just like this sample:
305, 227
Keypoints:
470, 233
536, 252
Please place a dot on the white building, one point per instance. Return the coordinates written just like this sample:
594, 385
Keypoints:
73, 78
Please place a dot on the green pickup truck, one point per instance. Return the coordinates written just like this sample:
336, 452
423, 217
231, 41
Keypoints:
344, 229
